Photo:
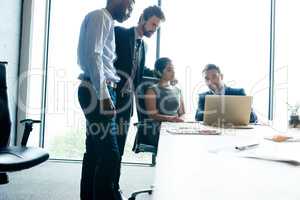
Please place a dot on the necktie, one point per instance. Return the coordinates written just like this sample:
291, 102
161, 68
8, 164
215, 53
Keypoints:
138, 43
128, 87
136, 56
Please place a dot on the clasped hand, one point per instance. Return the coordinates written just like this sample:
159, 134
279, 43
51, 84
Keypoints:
107, 108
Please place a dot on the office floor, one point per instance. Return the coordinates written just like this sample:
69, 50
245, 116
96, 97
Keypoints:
60, 181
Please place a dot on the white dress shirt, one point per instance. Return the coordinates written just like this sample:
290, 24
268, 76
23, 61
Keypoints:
96, 51
221, 91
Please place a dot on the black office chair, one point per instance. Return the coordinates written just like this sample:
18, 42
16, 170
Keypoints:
147, 135
15, 158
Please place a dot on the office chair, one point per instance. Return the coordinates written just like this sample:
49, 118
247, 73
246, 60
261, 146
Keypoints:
147, 135
15, 158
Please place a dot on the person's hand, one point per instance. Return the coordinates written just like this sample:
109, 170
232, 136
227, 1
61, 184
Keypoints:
176, 119
107, 108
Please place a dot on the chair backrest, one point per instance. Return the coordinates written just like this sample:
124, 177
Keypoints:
15, 158
141, 91
147, 135
5, 123
3, 75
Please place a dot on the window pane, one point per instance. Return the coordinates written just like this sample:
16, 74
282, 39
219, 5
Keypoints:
35, 73
287, 58
290, 14
64, 124
283, 69
233, 34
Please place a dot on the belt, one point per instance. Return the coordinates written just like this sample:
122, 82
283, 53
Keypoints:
108, 82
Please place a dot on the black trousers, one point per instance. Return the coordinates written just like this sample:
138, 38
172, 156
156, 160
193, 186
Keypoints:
124, 108
100, 167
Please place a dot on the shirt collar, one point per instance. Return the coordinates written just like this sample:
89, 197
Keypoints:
108, 14
136, 35
220, 92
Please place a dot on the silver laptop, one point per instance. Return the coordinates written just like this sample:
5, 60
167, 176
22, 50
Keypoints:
226, 111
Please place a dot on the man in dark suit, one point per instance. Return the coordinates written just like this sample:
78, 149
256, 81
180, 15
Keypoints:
130, 65
214, 81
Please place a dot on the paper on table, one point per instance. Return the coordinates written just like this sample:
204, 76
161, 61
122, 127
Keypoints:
194, 131
268, 153
191, 128
264, 152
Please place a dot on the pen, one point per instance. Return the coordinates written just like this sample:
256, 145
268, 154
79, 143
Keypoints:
241, 148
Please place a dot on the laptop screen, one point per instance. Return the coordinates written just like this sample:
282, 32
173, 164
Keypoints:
225, 109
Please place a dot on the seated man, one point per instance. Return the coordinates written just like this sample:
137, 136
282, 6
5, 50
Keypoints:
214, 81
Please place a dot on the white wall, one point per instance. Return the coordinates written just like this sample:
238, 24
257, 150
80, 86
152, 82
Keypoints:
10, 20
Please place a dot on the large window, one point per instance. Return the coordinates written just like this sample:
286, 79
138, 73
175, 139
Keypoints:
232, 34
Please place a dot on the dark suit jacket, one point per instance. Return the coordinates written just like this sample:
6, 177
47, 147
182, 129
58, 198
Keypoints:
125, 49
228, 91
125, 41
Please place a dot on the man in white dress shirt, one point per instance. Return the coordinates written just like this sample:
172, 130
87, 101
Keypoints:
96, 94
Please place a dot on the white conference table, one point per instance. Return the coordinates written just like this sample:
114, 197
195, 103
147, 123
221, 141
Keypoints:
188, 169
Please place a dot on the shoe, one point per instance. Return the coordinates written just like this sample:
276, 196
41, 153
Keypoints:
121, 196
3, 178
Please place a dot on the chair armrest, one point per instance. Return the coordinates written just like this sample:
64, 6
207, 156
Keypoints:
28, 128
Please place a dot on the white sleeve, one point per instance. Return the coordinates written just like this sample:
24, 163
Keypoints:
97, 32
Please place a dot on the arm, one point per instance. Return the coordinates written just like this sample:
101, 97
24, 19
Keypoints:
181, 110
200, 109
97, 33
150, 100
253, 116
